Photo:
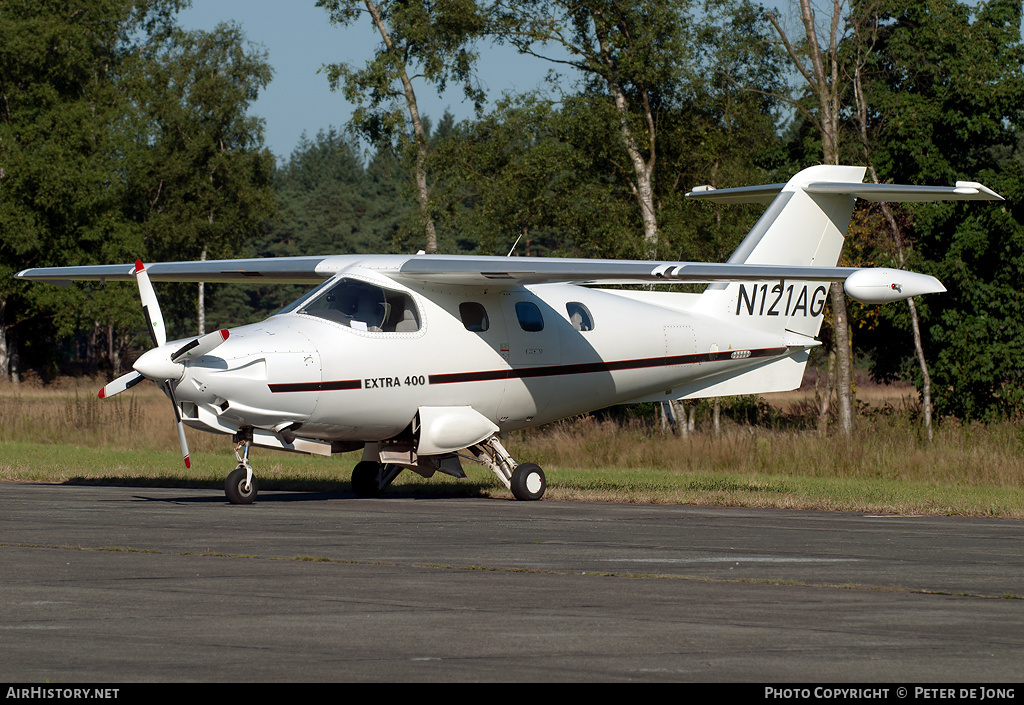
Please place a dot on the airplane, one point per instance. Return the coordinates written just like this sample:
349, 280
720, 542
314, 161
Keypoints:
423, 361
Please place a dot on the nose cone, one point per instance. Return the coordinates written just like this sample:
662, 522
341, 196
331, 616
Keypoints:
156, 364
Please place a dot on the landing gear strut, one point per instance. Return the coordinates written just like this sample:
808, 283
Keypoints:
526, 481
240, 487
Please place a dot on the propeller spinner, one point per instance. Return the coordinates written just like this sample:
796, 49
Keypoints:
161, 364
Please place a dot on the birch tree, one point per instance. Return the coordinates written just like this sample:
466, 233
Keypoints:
631, 51
814, 54
429, 40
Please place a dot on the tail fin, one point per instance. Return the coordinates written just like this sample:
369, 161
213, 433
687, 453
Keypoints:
804, 226
799, 228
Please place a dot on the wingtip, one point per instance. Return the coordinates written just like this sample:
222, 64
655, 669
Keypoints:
188, 463
103, 393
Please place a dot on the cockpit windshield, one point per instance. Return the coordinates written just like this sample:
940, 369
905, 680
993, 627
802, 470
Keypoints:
362, 306
294, 305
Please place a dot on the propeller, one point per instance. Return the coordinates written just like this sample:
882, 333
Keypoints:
160, 364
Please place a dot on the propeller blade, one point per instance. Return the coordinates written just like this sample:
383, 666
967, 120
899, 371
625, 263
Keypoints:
181, 426
120, 384
150, 306
200, 346
157, 362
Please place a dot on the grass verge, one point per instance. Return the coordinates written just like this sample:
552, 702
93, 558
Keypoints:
64, 435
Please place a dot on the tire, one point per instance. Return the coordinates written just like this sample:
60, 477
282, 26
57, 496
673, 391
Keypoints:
528, 482
234, 487
366, 479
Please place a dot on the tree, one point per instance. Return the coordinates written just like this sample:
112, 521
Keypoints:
121, 137
431, 37
530, 174
943, 88
816, 58
62, 140
203, 184
866, 23
632, 52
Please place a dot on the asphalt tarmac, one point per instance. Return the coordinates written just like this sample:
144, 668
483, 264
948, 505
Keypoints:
137, 585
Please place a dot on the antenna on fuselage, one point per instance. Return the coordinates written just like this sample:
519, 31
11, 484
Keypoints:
514, 245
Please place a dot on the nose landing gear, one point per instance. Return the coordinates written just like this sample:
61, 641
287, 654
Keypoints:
240, 487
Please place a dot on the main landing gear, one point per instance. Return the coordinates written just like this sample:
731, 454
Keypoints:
526, 480
369, 479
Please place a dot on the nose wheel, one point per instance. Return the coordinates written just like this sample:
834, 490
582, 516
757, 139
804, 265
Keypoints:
240, 487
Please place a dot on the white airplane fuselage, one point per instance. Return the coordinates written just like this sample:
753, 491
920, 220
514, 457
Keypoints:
333, 382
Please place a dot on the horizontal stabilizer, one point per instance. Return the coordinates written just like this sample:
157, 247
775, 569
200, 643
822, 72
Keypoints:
963, 191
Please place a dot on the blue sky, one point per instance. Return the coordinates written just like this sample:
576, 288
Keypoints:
299, 39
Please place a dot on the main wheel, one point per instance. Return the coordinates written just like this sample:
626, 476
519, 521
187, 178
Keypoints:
366, 479
528, 482
234, 487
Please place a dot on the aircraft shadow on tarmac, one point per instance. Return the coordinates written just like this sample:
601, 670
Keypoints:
295, 490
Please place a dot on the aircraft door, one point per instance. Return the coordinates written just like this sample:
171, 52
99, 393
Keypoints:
534, 354
532, 330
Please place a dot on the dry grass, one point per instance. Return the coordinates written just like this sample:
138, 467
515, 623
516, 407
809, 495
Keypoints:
62, 432
882, 447
68, 411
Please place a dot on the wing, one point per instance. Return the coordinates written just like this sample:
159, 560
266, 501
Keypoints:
285, 270
791, 232
873, 285
501, 271
446, 269
491, 271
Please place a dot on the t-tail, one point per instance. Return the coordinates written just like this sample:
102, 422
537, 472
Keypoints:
804, 226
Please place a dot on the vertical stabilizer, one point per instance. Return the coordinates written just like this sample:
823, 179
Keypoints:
800, 228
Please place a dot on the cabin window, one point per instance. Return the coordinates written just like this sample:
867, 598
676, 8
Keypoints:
529, 316
364, 306
579, 316
474, 316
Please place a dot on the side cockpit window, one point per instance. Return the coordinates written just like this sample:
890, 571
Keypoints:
579, 316
364, 306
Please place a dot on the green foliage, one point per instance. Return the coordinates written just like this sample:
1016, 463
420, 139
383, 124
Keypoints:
121, 137
322, 190
62, 147
945, 84
554, 171
429, 39
204, 181
329, 203
520, 172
